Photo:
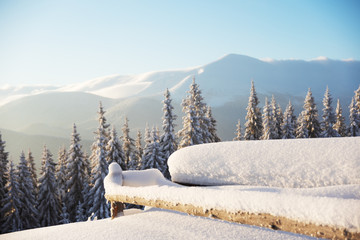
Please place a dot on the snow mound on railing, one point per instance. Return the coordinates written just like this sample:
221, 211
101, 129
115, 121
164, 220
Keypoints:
275, 163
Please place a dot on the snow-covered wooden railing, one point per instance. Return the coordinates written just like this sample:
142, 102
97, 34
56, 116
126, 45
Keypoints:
260, 206
325, 211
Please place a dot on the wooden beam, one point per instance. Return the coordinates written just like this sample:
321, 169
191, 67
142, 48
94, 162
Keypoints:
256, 219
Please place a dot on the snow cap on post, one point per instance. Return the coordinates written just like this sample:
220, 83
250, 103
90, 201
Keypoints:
115, 174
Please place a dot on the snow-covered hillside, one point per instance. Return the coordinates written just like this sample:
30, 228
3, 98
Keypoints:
222, 80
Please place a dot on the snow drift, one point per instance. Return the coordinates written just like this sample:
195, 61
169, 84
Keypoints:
274, 163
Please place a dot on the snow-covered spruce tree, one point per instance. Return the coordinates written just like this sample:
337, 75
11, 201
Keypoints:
288, 126
11, 203
81, 214
339, 125
28, 212
191, 133
301, 127
310, 116
168, 143
64, 216
114, 150
357, 102
328, 117
139, 151
276, 119
136, 159
128, 143
200, 110
238, 133
61, 174
48, 202
357, 106
153, 157
31, 164
99, 208
353, 129
212, 126
75, 175
3, 175
253, 125
267, 121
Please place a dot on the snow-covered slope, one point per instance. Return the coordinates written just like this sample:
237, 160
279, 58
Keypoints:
276, 163
150, 225
222, 80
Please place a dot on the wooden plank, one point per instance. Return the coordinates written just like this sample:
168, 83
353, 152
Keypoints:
261, 219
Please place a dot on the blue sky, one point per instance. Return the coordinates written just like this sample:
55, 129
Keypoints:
62, 42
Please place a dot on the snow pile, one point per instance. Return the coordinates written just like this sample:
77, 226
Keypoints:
132, 178
334, 206
275, 163
153, 224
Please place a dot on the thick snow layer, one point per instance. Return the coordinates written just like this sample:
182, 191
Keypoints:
152, 224
334, 205
275, 163
133, 178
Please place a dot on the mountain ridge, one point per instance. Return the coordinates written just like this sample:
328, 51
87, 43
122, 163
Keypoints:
225, 85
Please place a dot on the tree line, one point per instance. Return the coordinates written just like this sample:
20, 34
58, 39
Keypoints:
272, 123
72, 189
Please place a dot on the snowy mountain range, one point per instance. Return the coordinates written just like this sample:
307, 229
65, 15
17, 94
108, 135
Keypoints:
225, 83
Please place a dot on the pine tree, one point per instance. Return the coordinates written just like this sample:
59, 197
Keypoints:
238, 133
310, 116
192, 132
80, 212
353, 129
147, 134
267, 121
276, 119
212, 126
200, 111
61, 174
128, 143
136, 163
64, 216
3, 176
301, 127
28, 212
357, 106
75, 175
357, 100
114, 150
153, 157
288, 125
253, 125
328, 117
48, 202
11, 203
340, 125
86, 189
99, 208
168, 143
31, 164
139, 149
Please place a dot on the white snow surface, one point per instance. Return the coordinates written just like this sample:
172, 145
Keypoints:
133, 178
275, 163
152, 224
